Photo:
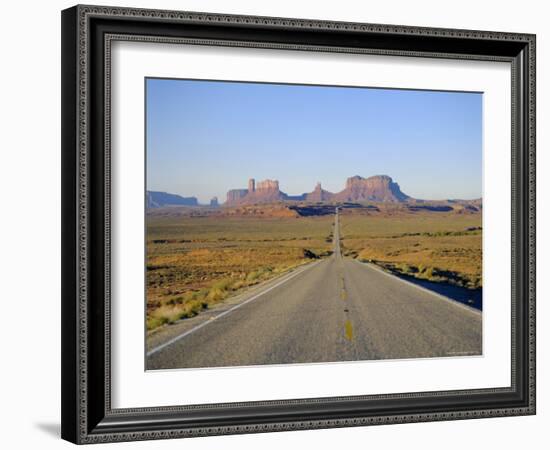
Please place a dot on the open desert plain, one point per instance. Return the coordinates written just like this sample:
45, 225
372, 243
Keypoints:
367, 273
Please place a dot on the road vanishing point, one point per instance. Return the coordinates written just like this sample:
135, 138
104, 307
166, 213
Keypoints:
334, 309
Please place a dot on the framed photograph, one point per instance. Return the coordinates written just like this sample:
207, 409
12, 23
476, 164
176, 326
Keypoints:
277, 224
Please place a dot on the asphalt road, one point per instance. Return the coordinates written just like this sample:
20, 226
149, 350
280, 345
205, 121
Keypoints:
337, 309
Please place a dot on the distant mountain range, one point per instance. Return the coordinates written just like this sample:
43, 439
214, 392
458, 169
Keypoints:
378, 188
158, 199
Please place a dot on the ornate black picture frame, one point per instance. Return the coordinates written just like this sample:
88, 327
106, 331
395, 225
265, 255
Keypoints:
87, 414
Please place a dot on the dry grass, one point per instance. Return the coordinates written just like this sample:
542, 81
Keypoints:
195, 262
445, 247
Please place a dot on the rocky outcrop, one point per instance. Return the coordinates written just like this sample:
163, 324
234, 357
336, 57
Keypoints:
267, 185
319, 195
379, 188
235, 196
155, 199
266, 191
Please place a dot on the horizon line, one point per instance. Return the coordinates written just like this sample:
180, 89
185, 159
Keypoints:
319, 183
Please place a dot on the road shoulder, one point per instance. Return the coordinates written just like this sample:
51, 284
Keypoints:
421, 288
170, 332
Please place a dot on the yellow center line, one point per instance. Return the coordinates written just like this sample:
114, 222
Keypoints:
349, 330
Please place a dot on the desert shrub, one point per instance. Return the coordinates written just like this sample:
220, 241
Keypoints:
193, 309
216, 294
429, 272
256, 275
253, 276
223, 284
155, 322
238, 285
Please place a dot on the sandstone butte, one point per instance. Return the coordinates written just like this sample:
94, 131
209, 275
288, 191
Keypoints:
378, 188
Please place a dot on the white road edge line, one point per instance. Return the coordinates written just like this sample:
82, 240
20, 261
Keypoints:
454, 302
230, 310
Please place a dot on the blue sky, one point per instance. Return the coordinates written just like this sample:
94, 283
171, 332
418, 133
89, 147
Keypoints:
206, 137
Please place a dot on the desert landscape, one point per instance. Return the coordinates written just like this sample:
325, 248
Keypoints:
203, 257
297, 224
